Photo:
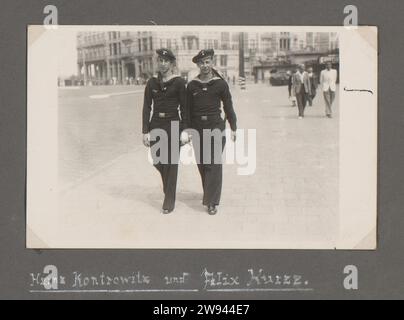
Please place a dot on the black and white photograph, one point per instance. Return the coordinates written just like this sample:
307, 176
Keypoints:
201, 137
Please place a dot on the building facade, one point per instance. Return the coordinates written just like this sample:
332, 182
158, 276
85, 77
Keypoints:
284, 50
129, 57
123, 57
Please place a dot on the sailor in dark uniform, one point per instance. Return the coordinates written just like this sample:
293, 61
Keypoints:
205, 95
166, 93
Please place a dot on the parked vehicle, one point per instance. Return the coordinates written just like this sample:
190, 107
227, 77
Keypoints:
279, 78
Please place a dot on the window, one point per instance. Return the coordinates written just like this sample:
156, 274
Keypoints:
151, 43
225, 36
284, 44
145, 44
190, 43
225, 40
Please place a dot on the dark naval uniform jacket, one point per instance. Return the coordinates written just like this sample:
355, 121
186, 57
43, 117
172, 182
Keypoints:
205, 99
168, 100
204, 102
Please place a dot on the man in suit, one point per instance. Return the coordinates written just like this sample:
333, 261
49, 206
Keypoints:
301, 87
328, 79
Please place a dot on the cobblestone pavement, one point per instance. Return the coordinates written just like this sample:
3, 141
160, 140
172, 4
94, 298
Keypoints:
111, 195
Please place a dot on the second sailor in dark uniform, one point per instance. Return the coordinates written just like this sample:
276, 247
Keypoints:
205, 95
166, 94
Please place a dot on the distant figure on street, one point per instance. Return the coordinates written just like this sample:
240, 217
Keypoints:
166, 92
328, 80
313, 85
292, 96
205, 95
301, 87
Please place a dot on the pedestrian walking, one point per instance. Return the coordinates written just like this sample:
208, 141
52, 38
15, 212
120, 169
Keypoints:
205, 94
328, 79
313, 85
166, 94
292, 95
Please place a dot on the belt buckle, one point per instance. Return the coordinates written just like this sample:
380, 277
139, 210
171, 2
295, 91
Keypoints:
204, 118
162, 114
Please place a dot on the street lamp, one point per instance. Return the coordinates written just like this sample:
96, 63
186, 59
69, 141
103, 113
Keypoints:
241, 55
84, 65
241, 61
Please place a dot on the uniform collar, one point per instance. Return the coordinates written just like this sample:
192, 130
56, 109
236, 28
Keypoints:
169, 79
206, 82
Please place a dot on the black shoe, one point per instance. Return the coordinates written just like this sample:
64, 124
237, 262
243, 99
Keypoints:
166, 211
212, 210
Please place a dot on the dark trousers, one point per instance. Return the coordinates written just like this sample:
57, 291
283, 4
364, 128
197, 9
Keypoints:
301, 99
169, 173
211, 171
310, 97
168, 169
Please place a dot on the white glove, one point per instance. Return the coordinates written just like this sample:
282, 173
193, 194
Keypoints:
185, 138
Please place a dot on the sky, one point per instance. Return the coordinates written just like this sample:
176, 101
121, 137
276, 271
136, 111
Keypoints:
67, 52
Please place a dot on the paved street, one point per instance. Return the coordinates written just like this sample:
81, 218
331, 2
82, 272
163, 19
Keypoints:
111, 195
